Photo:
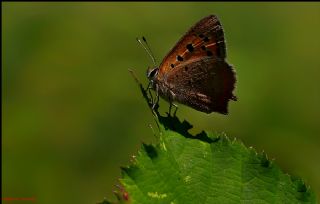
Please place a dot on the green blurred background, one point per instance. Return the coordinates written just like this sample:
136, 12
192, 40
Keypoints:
72, 114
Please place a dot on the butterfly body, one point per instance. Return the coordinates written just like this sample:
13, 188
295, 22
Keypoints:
194, 72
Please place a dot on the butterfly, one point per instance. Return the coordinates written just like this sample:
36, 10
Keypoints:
194, 72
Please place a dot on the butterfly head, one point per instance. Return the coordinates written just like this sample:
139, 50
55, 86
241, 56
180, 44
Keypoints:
152, 73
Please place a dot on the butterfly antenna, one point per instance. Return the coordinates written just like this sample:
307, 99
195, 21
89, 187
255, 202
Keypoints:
146, 47
147, 44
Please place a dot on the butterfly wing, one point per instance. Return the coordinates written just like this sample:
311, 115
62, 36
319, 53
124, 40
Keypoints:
205, 84
195, 73
205, 38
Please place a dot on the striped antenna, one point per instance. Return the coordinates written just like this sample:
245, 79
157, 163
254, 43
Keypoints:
147, 48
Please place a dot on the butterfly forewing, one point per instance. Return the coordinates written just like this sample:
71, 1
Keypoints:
205, 38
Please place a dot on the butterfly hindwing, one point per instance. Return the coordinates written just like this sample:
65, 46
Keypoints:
205, 84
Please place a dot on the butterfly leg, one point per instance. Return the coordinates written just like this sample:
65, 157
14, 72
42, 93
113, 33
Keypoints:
152, 101
175, 111
170, 108
150, 94
156, 102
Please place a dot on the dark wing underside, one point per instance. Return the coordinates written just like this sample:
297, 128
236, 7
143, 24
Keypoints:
205, 84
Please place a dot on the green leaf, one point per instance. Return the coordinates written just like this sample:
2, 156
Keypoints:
205, 168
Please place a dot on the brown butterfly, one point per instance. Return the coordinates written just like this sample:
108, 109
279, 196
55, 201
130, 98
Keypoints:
194, 72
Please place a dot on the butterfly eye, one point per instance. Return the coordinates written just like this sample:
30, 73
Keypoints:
151, 73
